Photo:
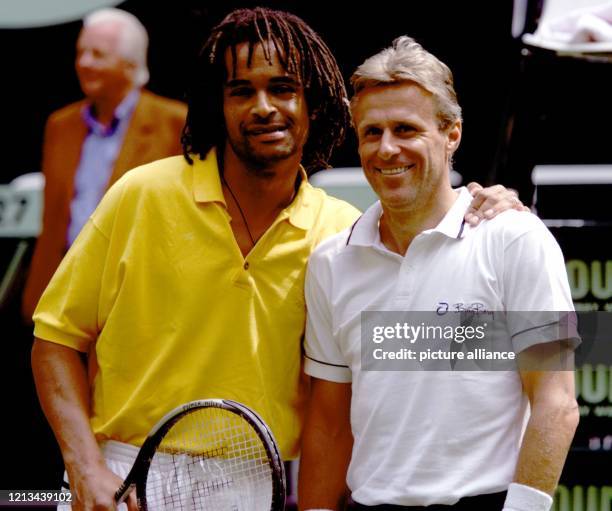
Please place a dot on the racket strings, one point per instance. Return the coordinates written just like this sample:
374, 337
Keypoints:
210, 459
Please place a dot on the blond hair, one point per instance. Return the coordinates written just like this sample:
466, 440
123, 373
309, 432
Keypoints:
407, 61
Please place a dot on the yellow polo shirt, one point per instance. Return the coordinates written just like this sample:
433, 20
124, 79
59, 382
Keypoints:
157, 290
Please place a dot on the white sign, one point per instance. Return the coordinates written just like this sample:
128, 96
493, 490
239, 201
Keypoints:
38, 13
20, 212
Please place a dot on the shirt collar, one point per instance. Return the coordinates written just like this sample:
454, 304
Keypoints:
207, 188
122, 112
453, 223
300, 212
365, 231
206, 179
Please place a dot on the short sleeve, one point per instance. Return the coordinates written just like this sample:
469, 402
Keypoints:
323, 356
537, 294
68, 310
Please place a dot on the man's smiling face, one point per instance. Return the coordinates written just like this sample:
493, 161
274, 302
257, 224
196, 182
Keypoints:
264, 107
404, 154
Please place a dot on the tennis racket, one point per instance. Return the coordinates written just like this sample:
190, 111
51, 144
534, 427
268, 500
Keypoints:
212, 454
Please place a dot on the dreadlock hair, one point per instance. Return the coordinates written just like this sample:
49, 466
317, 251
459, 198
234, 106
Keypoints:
300, 51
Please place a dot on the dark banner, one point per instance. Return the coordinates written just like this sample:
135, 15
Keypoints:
586, 484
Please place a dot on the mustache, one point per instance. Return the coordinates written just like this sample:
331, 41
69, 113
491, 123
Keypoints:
257, 128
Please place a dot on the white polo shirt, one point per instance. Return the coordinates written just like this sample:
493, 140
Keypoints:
431, 437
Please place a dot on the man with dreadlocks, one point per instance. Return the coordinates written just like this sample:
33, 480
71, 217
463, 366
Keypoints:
187, 281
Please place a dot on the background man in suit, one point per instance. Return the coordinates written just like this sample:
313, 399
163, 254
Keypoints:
89, 144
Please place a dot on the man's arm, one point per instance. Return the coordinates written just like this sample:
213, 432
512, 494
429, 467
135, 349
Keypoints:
327, 442
62, 386
553, 421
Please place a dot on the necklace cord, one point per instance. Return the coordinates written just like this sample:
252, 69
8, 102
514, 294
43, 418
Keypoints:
246, 224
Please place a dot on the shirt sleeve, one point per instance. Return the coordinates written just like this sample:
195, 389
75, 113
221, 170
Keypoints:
537, 294
67, 312
323, 356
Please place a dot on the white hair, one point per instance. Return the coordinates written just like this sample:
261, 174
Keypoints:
133, 38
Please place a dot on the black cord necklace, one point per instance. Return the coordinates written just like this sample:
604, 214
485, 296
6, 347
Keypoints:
246, 224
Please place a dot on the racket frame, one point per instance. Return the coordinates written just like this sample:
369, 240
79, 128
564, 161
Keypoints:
137, 476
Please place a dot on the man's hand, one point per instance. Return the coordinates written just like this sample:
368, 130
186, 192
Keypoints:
62, 385
489, 202
95, 489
